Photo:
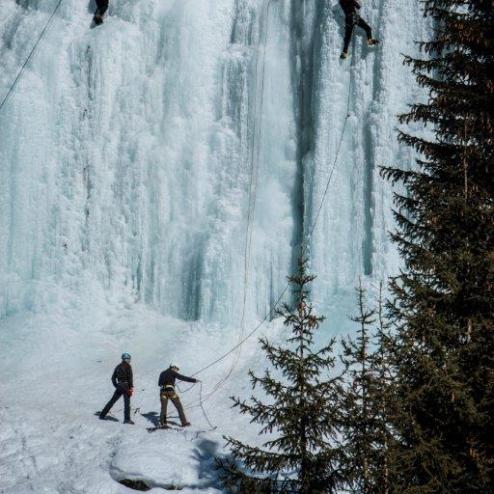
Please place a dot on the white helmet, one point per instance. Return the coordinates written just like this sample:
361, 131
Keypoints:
174, 366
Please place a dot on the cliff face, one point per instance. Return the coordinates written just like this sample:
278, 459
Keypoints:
178, 154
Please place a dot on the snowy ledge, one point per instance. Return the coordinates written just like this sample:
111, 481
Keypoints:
166, 460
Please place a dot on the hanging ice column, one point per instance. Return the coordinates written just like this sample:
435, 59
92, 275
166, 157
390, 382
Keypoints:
177, 155
155, 155
249, 244
353, 105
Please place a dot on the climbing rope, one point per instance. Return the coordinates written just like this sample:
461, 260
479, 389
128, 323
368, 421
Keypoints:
304, 244
255, 156
28, 59
333, 167
213, 427
196, 404
240, 343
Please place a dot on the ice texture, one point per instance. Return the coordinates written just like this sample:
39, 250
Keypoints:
158, 174
177, 155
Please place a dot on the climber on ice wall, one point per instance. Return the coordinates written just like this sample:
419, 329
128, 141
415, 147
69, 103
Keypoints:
102, 7
352, 19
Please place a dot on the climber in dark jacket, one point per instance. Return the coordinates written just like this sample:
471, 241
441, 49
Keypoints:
352, 18
122, 379
167, 392
102, 7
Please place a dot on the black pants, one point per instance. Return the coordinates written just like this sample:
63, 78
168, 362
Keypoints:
118, 393
350, 22
102, 6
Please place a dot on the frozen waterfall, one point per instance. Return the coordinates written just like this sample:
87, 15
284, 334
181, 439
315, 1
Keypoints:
157, 172
179, 153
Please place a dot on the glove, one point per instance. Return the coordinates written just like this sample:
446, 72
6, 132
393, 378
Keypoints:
130, 392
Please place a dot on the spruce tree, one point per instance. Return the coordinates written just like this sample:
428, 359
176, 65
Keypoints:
301, 417
386, 403
443, 302
366, 437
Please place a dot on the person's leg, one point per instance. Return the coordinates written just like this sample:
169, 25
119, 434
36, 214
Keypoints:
126, 407
164, 405
102, 6
180, 409
112, 402
368, 31
348, 33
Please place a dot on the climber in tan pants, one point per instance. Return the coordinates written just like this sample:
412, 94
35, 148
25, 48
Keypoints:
167, 392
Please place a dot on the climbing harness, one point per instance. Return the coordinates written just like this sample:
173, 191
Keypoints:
28, 59
169, 392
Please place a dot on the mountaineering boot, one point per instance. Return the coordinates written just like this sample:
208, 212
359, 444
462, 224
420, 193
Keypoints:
372, 42
98, 17
344, 55
130, 422
186, 424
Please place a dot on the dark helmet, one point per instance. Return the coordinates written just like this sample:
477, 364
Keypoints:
126, 356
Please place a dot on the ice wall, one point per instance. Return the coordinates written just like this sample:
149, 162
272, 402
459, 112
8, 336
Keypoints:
178, 154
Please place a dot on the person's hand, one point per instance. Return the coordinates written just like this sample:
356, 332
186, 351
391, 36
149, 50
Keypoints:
130, 392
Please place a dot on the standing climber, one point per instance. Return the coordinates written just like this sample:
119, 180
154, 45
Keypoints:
167, 392
122, 379
102, 7
352, 18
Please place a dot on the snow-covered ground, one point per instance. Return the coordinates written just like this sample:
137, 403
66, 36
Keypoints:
56, 375
157, 176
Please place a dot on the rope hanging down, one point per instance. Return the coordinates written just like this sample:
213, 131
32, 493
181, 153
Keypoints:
28, 59
252, 187
254, 167
273, 308
325, 193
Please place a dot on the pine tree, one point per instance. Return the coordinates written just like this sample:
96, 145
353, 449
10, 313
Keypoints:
443, 302
302, 420
386, 403
368, 397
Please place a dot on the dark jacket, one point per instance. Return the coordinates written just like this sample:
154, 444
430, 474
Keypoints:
122, 375
168, 377
102, 6
349, 6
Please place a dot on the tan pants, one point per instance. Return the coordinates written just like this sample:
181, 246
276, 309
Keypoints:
166, 395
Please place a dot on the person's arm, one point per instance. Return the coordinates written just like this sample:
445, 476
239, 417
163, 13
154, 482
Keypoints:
131, 378
114, 377
185, 378
161, 378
